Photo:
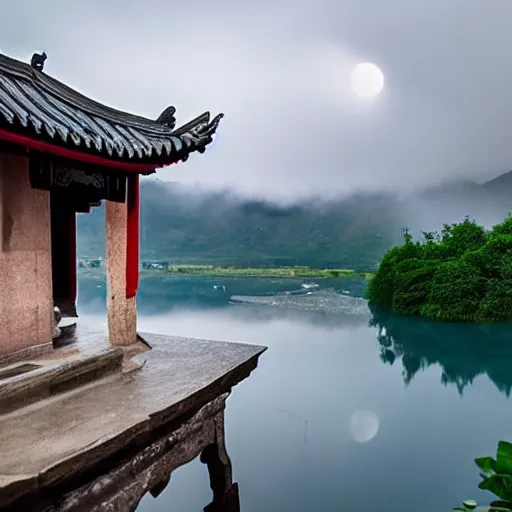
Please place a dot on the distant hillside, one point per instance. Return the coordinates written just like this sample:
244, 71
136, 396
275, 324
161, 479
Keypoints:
487, 203
500, 185
181, 225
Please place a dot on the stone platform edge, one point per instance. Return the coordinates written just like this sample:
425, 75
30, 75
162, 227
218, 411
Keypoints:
80, 467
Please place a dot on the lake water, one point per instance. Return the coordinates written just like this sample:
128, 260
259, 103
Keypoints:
348, 409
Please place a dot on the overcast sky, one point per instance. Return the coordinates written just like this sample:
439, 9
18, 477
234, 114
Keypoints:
279, 70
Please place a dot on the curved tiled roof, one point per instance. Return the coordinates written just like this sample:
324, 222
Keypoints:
32, 102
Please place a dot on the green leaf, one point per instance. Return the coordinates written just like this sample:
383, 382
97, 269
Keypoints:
470, 504
504, 458
486, 464
500, 485
500, 506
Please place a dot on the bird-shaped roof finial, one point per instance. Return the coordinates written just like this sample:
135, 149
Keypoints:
37, 61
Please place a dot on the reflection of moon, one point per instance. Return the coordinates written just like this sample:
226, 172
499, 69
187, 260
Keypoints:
364, 426
367, 80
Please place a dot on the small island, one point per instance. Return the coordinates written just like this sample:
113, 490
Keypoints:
463, 274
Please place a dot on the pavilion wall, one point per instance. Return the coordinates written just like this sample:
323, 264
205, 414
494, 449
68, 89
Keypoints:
26, 304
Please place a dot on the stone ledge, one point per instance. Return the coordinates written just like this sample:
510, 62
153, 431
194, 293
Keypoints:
53, 447
26, 353
123, 488
54, 377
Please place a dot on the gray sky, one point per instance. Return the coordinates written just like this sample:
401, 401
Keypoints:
279, 70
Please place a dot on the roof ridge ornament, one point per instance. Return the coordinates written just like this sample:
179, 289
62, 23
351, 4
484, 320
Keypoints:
167, 117
38, 60
47, 114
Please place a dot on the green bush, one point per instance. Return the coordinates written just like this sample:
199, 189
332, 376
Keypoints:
495, 251
381, 288
413, 279
455, 294
497, 304
504, 228
458, 239
461, 274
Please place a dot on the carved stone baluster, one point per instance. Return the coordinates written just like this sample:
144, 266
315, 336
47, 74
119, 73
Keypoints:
157, 489
215, 456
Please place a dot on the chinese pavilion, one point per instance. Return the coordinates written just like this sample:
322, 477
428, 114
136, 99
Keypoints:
63, 153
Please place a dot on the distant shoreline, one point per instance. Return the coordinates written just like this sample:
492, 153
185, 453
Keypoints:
214, 271
281, 272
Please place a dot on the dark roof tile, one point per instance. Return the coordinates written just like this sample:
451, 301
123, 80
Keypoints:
46, 107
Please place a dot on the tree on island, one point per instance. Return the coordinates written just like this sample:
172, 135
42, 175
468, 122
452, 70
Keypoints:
463, 273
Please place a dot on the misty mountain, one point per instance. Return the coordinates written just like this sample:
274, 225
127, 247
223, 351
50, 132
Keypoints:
499, 185
487, 203
182, 225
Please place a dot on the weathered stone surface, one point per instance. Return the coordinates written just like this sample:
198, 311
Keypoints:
26, 316
121, 311
64, 438
54, 377
121, 489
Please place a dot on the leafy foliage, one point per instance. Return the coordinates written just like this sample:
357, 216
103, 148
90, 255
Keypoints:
456, 289
497, 478
497, 473
463, 273
412, 285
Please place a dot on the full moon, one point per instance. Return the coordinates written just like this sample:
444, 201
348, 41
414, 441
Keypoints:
366, 80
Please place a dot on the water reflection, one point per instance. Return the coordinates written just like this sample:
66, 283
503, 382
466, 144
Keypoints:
296, 430
364, 426
463, 351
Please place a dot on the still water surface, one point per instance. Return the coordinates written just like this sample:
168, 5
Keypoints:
348, 409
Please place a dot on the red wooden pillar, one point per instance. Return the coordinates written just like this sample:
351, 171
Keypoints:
72, 258
132, 236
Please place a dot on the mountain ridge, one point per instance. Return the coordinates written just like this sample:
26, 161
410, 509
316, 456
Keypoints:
185, 226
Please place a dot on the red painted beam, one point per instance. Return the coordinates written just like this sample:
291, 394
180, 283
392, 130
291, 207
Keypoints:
132, 236
45, 147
